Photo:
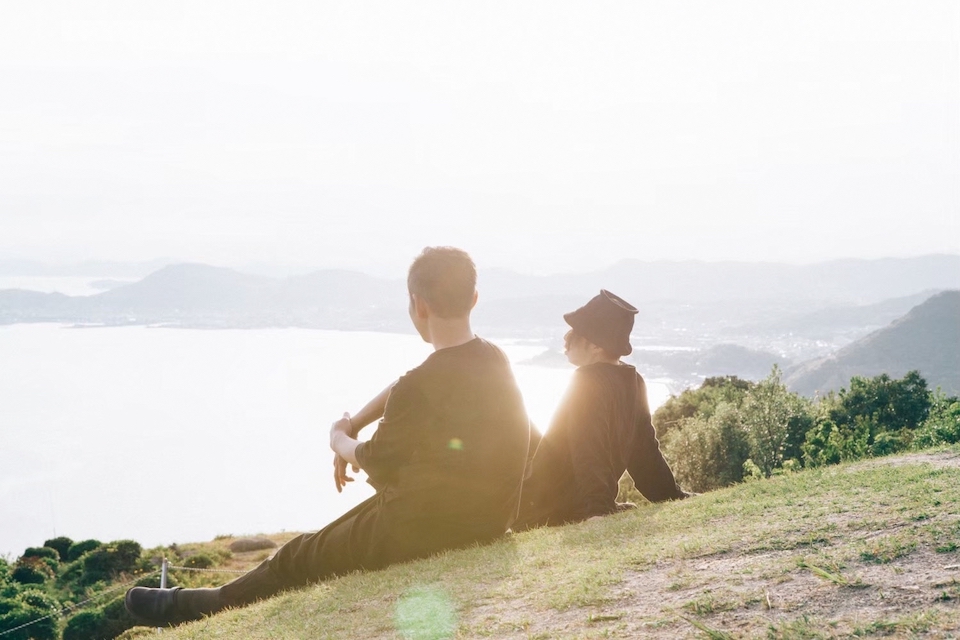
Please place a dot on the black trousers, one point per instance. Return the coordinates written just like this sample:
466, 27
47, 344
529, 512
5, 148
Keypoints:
345, 545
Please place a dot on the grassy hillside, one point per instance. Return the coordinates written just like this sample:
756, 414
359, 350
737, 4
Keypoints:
867, 549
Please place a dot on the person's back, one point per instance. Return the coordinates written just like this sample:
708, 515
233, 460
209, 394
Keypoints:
450, 450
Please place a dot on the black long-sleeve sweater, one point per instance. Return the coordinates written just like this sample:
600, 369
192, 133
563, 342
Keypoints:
601, 428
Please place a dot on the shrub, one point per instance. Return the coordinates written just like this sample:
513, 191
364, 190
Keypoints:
31, 571
108, 561
77, 549
71, 572
6, 606
709, 453
199, 561
39, 600
702, 402
116, 618
942, 425
882, 403
886, 442
41, 552
61, 544
769, 411
85, 625
30, 606
106, 622
829, 443
252, 544
10, 590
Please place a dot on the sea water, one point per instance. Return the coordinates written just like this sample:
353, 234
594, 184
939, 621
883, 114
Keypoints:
165, 435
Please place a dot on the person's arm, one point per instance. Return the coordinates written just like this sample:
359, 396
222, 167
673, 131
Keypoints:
651, 474
371, 412
342, 443
397, 436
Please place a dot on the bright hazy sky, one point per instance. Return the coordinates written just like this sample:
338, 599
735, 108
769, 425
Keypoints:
543, 137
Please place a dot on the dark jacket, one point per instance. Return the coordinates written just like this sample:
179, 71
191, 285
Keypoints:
601, 428
449, 455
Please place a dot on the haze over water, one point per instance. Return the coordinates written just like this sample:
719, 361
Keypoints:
178, 435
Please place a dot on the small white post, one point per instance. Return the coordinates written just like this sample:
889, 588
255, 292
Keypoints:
164, 567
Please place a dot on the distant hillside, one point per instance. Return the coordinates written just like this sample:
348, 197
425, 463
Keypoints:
801, 311
838, 319
840, 281
206, 296
926, 339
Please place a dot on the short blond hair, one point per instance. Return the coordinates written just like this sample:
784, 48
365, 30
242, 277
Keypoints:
446, 279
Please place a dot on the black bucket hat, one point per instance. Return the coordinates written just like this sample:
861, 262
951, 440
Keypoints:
606, 321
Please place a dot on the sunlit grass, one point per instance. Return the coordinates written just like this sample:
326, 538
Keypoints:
735, 554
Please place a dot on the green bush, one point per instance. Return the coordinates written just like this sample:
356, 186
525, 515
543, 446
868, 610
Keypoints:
41, 552
31, 571
709, 433
77, 549
702, 402
85, 625
770, 413
942, 425
33, 606
200, 561
887, 442
10, 590
886, 404
39, 600
104, 623
71, 572
110, 560
61, 544
8, 604
708, 453
116, 618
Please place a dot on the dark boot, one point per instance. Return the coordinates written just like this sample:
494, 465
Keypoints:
162, 607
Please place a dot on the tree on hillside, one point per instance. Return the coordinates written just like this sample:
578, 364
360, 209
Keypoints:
882, 410
701, 402
773, 417
708, 453
942, 425
875, 416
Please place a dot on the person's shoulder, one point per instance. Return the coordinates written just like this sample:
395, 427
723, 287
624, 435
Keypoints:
477, 349
605, 371
490, 350
414, 378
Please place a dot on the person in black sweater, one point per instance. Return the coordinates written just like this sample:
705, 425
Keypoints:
601, 428
447, 459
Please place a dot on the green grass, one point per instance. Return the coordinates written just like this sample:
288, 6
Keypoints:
817, 554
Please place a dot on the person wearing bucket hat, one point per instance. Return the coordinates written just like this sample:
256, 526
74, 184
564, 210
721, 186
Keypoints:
601, 428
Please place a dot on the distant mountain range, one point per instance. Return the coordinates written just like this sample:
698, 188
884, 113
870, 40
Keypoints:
926, 339
696, 318
203, 296
857, 282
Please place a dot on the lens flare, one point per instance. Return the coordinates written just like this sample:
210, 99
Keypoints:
425, 613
